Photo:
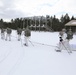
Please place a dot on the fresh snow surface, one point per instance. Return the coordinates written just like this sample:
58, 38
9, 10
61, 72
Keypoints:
39, 58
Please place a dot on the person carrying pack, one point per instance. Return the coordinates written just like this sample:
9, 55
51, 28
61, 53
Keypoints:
2, 33
62, 38
19, 32
27, 34
8, 35
64, 43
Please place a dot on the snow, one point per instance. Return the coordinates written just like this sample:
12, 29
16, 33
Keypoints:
39, 58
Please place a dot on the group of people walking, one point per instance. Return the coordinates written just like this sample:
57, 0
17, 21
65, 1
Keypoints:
27, 34
65, 37
6, 34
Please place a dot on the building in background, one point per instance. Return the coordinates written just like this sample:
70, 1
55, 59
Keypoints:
71, 25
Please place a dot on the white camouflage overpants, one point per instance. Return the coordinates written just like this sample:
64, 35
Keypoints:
64, 45
2, 35
8, 36
26, 40
19, 37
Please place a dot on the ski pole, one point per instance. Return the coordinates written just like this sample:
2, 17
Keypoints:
65, 47
43, 44
31, 42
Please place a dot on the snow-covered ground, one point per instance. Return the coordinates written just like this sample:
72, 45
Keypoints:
39, 58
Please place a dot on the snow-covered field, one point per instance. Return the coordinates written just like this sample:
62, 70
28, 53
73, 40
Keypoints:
39, 58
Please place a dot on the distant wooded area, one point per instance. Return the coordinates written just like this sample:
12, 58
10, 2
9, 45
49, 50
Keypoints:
38, 23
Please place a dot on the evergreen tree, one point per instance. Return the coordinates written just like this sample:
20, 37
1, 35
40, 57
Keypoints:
72, 18
66, 18
1, 23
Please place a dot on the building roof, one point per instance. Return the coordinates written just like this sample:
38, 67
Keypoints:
71, 23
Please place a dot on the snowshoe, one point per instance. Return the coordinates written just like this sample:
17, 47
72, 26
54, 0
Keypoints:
58, 50
25, 44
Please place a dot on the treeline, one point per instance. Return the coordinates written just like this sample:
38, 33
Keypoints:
36, 22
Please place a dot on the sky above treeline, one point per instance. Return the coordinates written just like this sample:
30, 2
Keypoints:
10, 9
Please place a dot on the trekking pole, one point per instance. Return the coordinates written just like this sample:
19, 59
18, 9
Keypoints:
31, 42
43, 44
65, 47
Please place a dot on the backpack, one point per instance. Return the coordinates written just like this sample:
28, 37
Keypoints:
9, 30
19, 31
2, 30
27, 33
69, 35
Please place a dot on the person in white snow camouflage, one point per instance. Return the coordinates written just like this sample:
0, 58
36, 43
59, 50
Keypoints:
2, 33
19, 32
64, 44
27, 34
8, 34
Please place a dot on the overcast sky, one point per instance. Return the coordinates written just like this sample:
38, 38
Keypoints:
10, 9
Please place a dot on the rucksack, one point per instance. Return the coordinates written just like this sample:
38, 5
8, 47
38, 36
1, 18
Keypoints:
27, 32
19, 31
2, 30
9, 30
69, 35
